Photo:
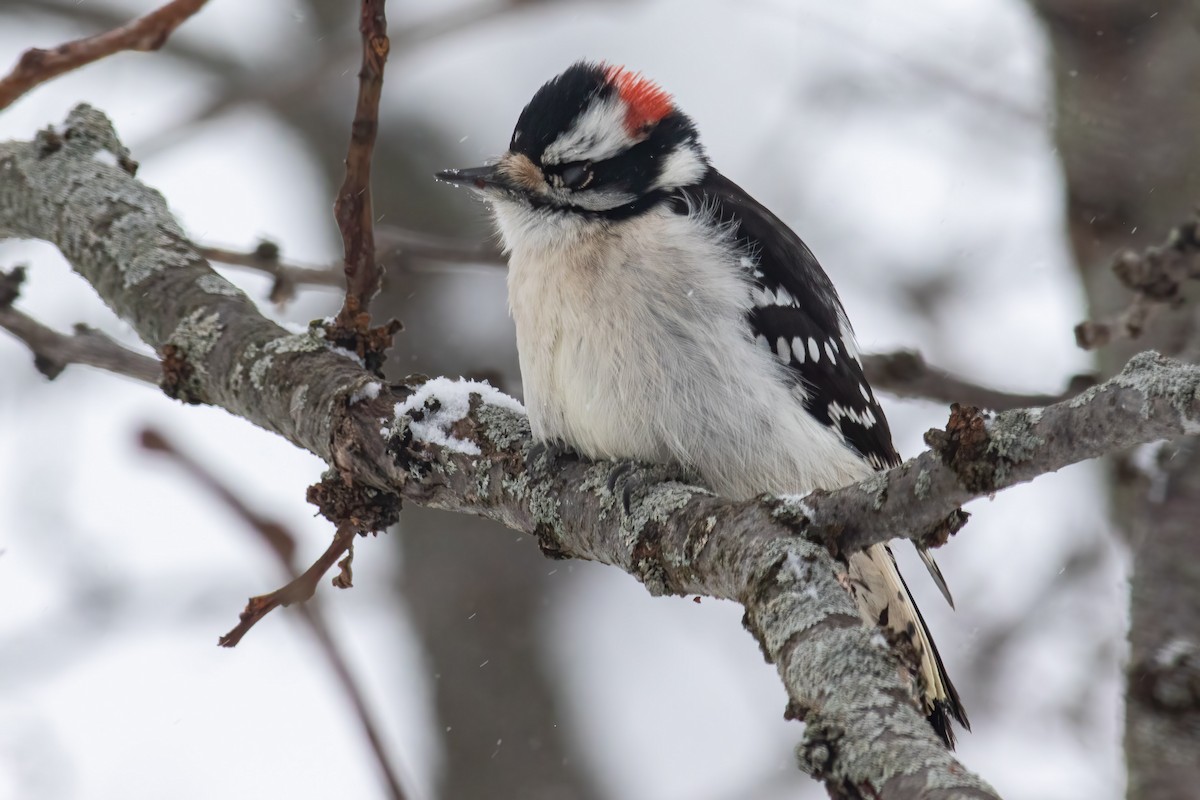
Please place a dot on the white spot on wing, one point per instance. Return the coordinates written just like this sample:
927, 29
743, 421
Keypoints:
798, 349
829, 350
848, 340
764, 296
784, 351
813, 350
865, 418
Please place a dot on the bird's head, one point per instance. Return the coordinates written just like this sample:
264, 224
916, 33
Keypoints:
597, 142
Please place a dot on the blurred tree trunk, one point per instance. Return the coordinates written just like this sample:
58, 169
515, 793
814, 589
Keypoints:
476, 594
1127, 75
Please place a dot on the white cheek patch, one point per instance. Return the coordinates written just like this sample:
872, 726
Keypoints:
599, 200
597, 134
523, 227
683, 167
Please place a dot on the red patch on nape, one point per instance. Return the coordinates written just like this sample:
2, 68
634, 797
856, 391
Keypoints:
645, 102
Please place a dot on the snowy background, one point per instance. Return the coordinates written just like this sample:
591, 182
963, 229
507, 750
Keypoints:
909, 146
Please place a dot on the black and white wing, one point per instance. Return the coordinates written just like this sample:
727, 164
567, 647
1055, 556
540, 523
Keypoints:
797, 314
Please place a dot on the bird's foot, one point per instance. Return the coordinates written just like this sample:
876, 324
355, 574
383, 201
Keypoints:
547, 451
630, 483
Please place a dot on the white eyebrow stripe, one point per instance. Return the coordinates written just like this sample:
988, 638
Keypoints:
598, 133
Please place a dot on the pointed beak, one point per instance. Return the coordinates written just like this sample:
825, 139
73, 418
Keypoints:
475, 177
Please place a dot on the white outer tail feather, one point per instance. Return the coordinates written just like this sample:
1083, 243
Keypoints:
883, 599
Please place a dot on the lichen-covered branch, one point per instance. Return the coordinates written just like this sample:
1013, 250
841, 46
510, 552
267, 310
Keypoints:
75, 188
471, 452
465, 447
980, 453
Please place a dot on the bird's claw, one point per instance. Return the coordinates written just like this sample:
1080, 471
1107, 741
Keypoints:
630, 484
548, 450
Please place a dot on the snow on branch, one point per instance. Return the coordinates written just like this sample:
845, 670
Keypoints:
458, 446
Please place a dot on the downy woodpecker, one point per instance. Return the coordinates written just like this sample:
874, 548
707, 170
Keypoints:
664, 315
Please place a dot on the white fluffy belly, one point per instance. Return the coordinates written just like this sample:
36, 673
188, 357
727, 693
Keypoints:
645, 353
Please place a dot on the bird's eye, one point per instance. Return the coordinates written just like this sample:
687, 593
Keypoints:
577, 176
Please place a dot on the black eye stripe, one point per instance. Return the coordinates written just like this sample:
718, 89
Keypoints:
635, 169
630, 170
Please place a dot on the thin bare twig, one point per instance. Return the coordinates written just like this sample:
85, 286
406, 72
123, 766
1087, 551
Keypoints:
53, 351
293, 84
905, 373
146, 33
288, 277
1156, 277
283, 544
395, 246
298, 590
353, 209
101, 16
403, 243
